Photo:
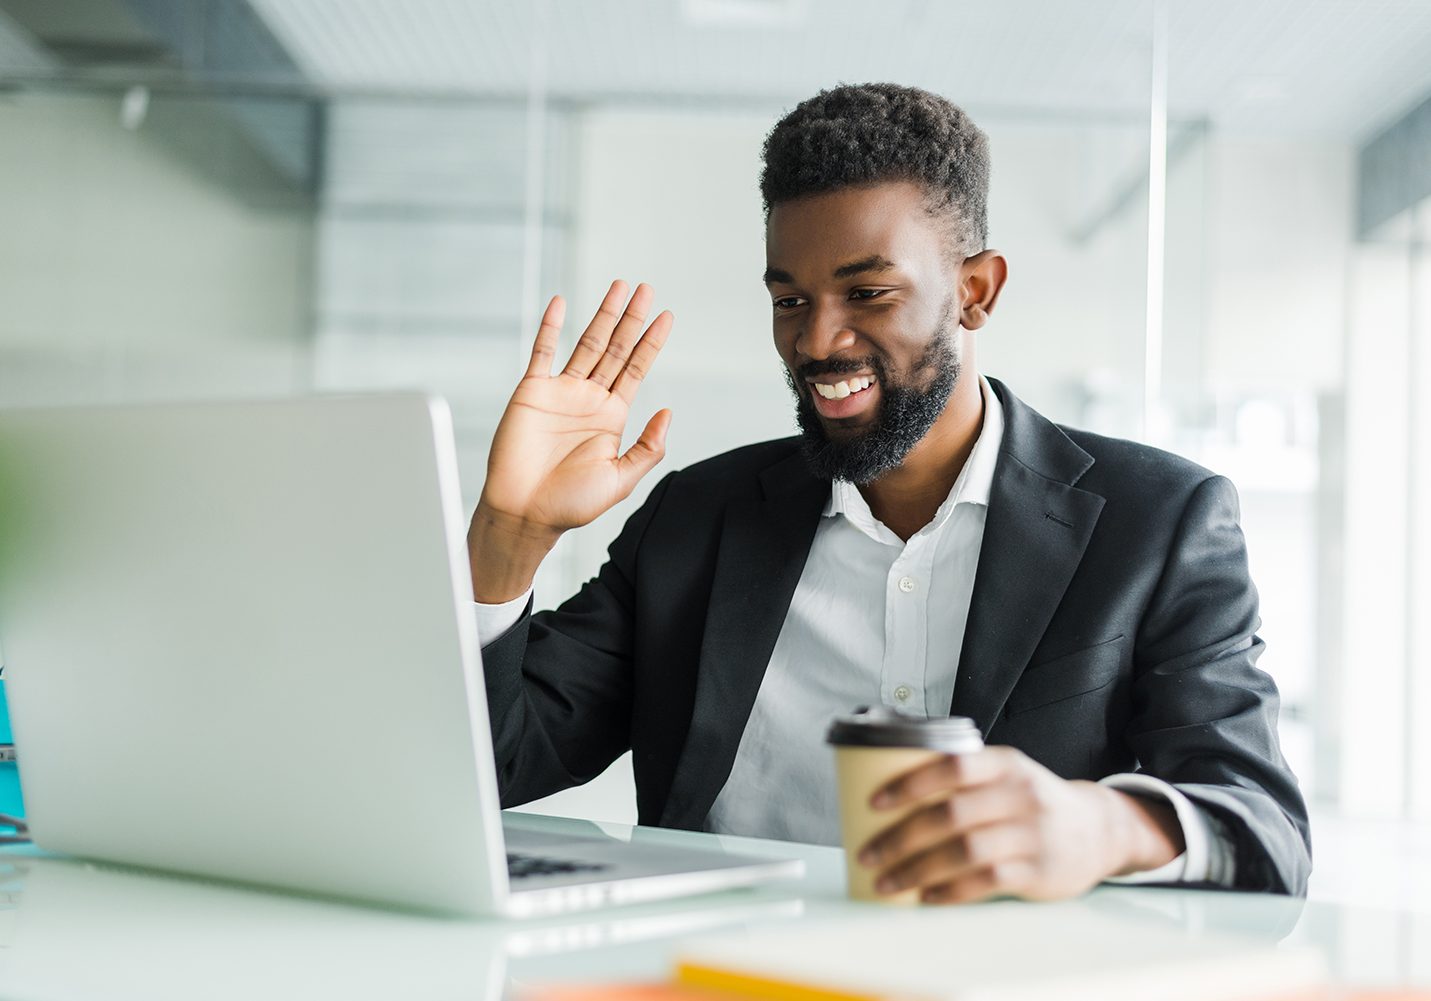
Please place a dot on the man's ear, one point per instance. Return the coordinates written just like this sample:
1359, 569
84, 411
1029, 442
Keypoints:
981, 279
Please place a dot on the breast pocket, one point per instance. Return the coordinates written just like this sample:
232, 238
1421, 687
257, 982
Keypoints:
1066, 677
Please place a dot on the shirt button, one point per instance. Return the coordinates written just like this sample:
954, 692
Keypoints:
906, 584
902, 693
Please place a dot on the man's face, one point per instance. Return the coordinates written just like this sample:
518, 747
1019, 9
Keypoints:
865, 316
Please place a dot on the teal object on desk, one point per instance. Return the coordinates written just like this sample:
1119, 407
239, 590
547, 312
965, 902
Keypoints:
10, 800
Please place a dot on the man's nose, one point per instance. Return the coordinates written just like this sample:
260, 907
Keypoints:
826, 333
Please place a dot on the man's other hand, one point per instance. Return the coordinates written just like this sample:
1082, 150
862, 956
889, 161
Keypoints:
996, 823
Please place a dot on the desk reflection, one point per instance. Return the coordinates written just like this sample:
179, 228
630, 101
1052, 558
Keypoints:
71, 929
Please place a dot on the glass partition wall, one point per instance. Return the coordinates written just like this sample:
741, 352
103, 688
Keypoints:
264, 197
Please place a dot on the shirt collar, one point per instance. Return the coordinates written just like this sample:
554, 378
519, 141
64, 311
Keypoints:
973, 486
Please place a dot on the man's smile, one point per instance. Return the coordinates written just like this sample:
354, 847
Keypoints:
842, 396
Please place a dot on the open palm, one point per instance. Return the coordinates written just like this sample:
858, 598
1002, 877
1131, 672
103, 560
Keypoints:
556, 461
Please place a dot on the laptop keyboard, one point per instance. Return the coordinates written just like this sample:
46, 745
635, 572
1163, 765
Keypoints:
521, 866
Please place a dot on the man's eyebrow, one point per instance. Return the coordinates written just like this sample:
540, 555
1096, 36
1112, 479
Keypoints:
874, 262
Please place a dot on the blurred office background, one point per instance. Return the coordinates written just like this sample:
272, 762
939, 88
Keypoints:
1216, 214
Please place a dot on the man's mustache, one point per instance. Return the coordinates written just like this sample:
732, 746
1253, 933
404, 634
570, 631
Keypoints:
837, 366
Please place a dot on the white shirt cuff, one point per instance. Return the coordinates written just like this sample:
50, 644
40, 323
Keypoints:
1207, 855
494, 620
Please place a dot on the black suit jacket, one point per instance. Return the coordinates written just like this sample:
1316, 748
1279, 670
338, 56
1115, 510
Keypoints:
1111, 629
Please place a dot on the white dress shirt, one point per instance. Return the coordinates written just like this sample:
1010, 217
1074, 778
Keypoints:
859, 632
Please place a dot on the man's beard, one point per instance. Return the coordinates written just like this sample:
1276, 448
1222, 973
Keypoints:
906, 413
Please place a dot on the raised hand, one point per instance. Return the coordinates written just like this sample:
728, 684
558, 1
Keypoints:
556, 461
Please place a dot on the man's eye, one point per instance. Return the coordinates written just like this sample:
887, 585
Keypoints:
868, 293
788, 302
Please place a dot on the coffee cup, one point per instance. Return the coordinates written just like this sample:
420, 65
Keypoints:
871, 747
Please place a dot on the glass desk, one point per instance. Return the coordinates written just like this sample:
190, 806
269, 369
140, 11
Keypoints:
70, 929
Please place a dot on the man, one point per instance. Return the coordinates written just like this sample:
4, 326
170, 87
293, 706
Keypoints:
928, 542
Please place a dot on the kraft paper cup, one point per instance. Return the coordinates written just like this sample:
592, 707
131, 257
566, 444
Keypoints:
870, 749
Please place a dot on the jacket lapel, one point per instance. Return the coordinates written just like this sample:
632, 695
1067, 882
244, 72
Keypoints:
1036, 530
763, 547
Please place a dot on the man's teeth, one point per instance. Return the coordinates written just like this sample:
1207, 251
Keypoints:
840, 390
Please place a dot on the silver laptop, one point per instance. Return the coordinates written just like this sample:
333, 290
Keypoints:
239, 642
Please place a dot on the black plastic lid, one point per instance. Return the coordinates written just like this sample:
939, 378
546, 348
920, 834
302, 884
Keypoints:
884, 727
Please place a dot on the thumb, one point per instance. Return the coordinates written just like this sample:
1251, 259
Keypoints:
644, 453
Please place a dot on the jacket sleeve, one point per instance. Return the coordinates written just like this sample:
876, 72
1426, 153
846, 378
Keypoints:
1204, 717
559, 683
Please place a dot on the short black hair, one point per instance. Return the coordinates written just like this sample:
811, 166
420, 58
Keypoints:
858, 134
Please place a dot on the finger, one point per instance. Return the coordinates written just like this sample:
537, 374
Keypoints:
945, 774
624, 337
638, 366
1013, 878
643, 455
956, 857
592, 345
963, 811
544, 348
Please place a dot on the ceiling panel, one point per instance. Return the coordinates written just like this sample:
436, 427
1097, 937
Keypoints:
1340, 68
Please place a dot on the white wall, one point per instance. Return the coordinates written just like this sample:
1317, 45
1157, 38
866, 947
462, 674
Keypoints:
1279, 241
1381, 737
1419, 664
1370, 721
1072, 311
1259, 233
125, 274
